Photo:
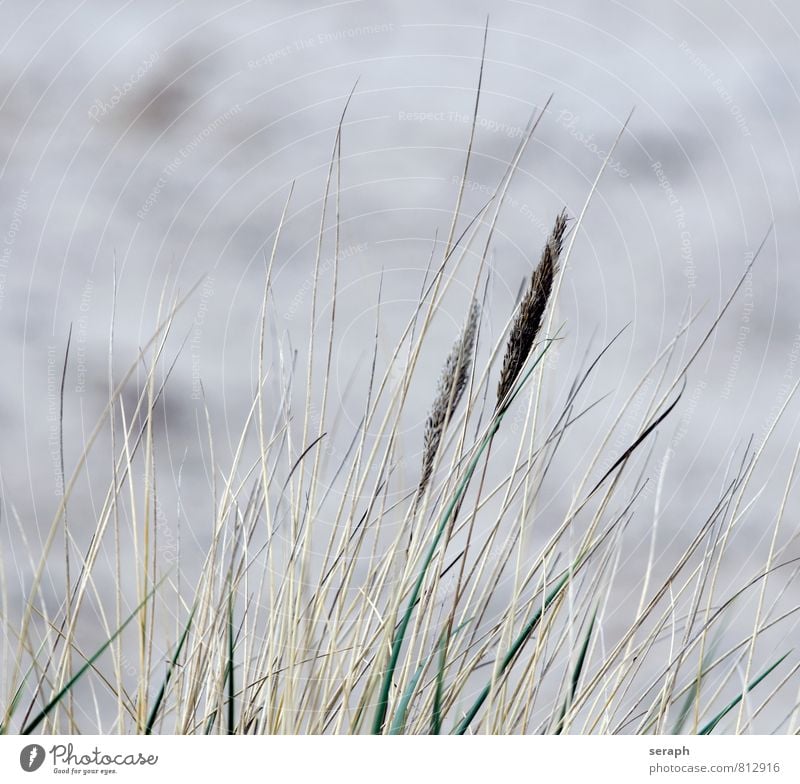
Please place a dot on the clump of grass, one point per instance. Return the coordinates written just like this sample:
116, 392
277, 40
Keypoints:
528, 320
450, 390
308, 612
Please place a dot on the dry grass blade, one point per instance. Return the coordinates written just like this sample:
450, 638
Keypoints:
306, 608
531, 310
452, 383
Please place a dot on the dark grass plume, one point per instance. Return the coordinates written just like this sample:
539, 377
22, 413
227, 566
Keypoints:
528, 321
452, 383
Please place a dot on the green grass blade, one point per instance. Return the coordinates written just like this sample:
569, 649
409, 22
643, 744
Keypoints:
399, 636
436, 708
686, 708
168, 677
509, 657
708, 729
231, 685
576, 674
691, 696
399, 721
43, 713
400, 632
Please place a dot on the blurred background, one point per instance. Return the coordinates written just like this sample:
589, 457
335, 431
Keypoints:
157, 143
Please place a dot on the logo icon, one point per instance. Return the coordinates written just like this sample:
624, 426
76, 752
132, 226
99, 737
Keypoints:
31, 757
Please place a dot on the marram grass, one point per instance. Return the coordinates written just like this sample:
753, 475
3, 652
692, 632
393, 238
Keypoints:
334, 599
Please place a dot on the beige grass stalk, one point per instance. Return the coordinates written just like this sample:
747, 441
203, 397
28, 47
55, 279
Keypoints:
84, 580
450, 247
264, 474
394, 408
49, 539
678, 376
537, 381
499, 199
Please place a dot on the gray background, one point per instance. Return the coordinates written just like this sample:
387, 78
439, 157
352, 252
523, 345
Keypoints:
98, 98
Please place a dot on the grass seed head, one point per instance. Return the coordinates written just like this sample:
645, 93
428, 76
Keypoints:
452, 383
528, 321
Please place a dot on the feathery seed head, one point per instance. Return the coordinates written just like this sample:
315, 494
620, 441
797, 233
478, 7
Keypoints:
528, 321
452, 383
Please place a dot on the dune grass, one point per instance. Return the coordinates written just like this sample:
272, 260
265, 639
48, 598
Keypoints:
331, 600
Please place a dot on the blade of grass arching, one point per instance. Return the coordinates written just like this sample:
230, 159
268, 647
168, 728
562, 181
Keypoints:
640, 438
576, 674
399, 721
399, 635
44, 712
511, 654
709, 728
168, 677
67, 576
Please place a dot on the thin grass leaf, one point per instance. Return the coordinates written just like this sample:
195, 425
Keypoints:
231, 684
42, 715
640, 438
522, 638
14, 704
576, 675
709, 728
683, 715
399, 635
691, 695
399, 721
168, 677
436, 708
